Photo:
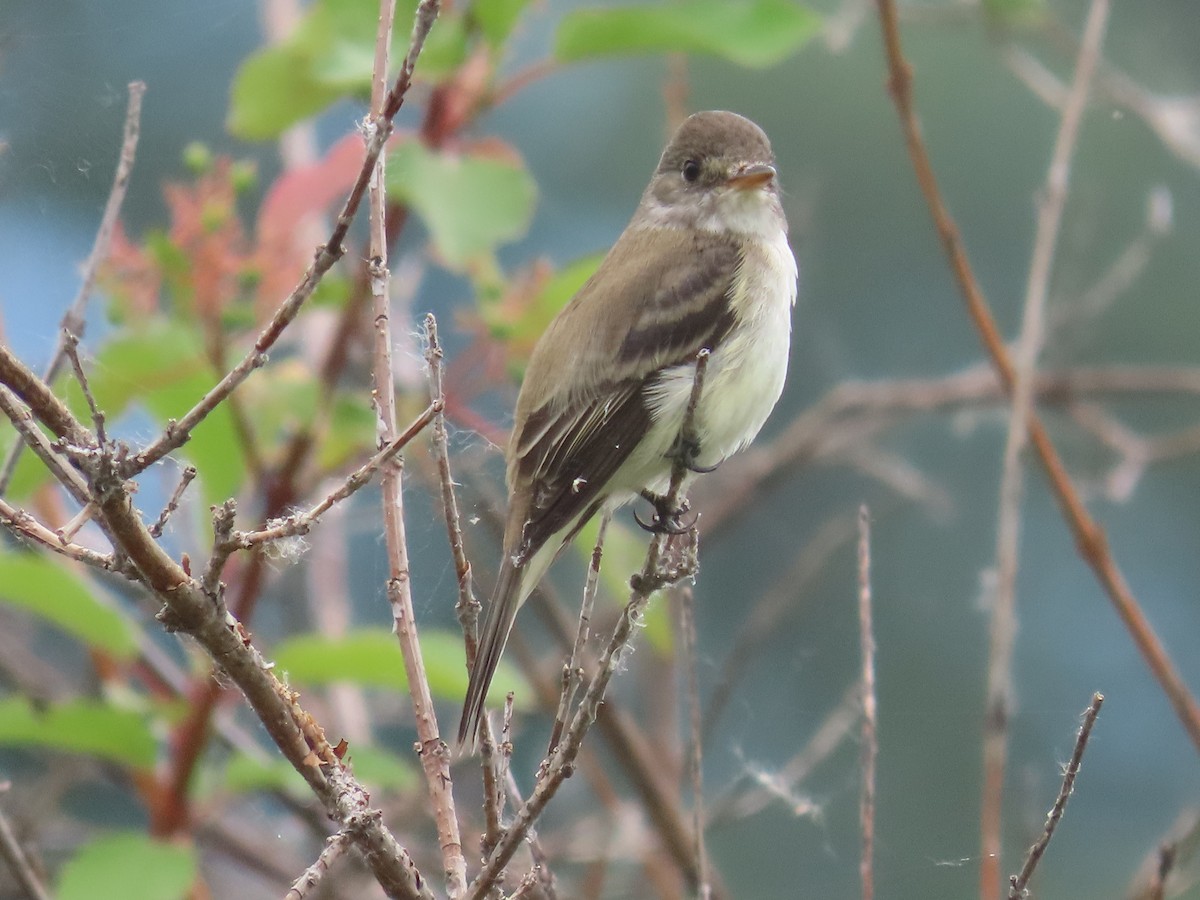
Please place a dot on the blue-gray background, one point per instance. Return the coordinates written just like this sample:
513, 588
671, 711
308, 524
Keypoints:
877, 302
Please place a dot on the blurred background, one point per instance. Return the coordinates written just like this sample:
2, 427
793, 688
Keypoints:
877, 304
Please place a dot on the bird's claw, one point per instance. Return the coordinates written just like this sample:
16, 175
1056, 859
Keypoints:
686, 452
666, 520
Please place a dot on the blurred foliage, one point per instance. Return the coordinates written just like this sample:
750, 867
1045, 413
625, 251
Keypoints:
128, 866
370, 657
185, 299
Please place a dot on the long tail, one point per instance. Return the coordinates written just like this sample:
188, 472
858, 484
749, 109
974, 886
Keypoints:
501, 613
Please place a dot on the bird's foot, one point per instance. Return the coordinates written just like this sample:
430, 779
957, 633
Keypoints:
666, 519
686, 451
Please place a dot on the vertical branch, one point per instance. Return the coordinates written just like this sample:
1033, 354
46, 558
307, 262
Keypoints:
687, 611
573, 669
467, 607
74, 320
1089, 536
23, 871
870, 734
1008, 529
434, 758
1017, 883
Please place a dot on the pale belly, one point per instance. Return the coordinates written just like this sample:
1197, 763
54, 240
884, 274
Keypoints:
743, 381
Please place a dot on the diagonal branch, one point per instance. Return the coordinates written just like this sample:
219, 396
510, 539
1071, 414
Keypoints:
1008, 529
1089, 537
178, 432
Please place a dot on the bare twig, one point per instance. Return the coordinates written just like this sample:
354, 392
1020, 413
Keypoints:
74, 320
1018, 882
185, 478
302, 523
19, 864
1003, 619
467, 607
657, 572
178, 432
1089, 537
71, 348
870, 731
22, 524
21, 417
1173, 852
335, 846
435, 760
572, 674
541, 860
687, 612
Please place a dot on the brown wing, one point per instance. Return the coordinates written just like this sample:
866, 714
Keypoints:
582, 408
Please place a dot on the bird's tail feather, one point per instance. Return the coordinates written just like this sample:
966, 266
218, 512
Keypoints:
501, 613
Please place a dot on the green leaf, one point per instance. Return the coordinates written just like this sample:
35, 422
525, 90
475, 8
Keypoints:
52, 592
80, 726
273, 90
30, 474
331, 55
755, 33
554, 295
382, 770
377, 768
445, 48
1015, 13
244, 774
470, 204
160, 365
351, 431
128, 866
371, 657
496, 18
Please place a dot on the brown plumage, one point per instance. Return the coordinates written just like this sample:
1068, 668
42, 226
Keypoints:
599, 408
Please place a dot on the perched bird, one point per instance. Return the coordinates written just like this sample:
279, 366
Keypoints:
703, 263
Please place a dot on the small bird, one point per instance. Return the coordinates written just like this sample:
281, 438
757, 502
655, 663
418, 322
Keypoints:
703, 264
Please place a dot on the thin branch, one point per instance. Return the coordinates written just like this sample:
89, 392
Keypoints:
1017, 883
1008, 529
687, 612
19, 864
659, 570
467, 607
21, 416
1173, 852
1089, 537
71, 348
23, 525
178, 432
870, 729
572, 673
302, 523
185, 478
543, 874
74, 320
434, 755
335, 846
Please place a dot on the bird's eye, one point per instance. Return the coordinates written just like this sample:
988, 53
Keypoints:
691, 170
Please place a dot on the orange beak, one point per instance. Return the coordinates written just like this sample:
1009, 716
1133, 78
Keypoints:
752, 177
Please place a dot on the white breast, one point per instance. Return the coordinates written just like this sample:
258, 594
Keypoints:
745, 375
